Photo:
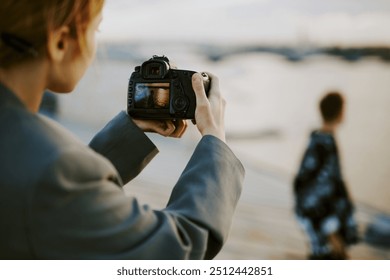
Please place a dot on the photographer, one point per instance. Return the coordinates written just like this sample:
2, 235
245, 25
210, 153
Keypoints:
62, 200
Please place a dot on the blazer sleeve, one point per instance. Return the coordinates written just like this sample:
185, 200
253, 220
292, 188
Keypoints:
208, 191
77, 210
125, 145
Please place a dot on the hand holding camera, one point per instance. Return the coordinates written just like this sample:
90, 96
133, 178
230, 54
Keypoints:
210, 112
160, 99
167, 128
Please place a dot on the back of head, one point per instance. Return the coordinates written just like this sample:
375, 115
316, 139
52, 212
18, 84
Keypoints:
26, 24
331, 106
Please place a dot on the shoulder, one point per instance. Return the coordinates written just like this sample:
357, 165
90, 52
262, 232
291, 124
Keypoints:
75, 166
322, 140
31, 143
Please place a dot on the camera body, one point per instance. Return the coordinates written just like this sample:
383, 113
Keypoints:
158, 92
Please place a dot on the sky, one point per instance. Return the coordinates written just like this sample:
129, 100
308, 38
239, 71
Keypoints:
317, 22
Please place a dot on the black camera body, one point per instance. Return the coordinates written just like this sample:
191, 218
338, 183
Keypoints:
158, 92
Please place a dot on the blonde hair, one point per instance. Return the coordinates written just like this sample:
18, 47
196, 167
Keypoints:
28, 23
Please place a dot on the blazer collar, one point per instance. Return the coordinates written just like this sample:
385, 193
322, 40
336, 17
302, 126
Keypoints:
7, 97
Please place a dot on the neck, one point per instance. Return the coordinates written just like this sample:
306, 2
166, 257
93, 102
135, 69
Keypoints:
329, 127
27, 82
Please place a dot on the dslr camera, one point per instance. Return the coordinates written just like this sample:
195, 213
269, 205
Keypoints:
157, 91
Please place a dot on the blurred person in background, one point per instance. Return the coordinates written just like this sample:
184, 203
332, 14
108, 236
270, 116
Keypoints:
322, 204
60, 199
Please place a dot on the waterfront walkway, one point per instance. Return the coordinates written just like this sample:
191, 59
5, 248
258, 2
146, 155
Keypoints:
264, 226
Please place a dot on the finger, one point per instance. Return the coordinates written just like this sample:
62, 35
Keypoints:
184, 128
181, 127
164, 128
169, 128
214, 91
197, 85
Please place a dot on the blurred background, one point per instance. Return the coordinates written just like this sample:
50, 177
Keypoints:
275, 59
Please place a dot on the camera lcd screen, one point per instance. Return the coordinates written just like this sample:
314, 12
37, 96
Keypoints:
151, 95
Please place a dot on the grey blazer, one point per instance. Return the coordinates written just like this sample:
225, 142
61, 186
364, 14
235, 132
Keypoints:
62, 200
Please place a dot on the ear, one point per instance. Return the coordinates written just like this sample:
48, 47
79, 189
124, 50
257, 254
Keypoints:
58, 44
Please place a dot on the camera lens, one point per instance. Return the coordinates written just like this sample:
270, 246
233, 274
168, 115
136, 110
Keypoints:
180, 103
